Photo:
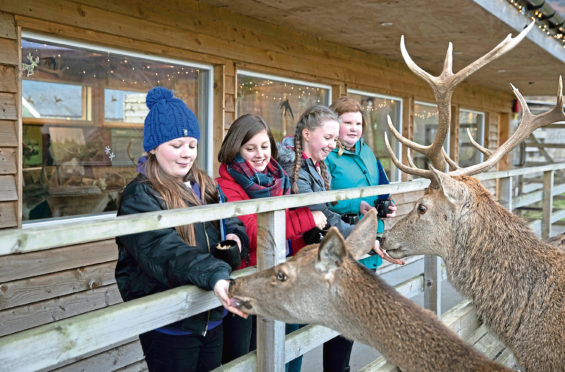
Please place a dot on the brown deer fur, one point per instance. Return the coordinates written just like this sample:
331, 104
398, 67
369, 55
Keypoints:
516, 280
325, 285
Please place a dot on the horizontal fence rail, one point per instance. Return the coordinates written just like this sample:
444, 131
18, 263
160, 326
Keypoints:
64, 340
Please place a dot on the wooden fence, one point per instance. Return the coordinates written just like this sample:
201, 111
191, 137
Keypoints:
70, 339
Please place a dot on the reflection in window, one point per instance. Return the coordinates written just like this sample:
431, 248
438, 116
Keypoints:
475, 122
425, 129
83, 111
43, 99
280, 102
376, 108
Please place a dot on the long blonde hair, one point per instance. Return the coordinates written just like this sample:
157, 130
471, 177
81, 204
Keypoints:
311, 118
176, 195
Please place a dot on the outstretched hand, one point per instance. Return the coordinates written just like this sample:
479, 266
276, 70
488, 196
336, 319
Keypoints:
221, 291
382, 254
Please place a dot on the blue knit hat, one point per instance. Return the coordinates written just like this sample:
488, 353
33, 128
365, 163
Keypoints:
168, 118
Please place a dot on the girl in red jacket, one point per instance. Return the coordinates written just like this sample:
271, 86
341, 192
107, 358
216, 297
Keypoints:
249, 170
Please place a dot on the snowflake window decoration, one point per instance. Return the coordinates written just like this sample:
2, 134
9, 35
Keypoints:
30, 68
108, 151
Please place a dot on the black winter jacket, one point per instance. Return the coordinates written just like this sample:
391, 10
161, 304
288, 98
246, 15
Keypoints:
154, 261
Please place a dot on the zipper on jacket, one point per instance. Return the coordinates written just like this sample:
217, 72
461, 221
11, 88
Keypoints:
207, 324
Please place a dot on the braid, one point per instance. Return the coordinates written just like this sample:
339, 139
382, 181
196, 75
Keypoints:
324, 174
298, 156
311, 119
340, 147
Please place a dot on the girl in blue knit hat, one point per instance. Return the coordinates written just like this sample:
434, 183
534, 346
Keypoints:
154, 261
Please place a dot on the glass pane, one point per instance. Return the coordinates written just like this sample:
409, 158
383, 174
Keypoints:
128, 107
376, 108
280, 103
474, 121
83, 115
44, 99
425, 129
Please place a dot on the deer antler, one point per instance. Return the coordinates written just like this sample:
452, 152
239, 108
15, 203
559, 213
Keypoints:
443, 86
528, 124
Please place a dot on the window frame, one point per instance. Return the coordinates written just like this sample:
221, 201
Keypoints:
481, 131
284, 79
208, 112
397, 173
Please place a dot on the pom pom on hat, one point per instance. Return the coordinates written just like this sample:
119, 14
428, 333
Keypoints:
168, 118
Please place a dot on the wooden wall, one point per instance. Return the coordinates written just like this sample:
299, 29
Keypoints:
10, 185
38, 288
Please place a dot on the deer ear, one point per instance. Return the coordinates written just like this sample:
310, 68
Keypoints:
362, 238
445, 183
331, 251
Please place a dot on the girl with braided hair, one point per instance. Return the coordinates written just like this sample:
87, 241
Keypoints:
302, 157
317, 133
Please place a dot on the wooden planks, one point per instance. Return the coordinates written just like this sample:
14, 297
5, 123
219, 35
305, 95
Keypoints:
32, 315
8, 159
16, 267
8, 214
8, 137
25, 291
8, 78
8, 188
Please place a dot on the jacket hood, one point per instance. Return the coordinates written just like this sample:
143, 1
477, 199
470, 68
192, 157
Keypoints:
286, 151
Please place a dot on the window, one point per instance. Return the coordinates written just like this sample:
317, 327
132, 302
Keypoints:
83, 109
376, 108
425, 129
475, 122
277, 100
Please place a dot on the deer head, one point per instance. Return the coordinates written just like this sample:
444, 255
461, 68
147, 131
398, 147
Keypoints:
439, 216
309, 278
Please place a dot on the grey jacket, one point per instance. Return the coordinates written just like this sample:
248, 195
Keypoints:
309, 180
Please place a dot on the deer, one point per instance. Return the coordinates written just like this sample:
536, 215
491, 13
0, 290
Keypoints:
515, 279
324, 284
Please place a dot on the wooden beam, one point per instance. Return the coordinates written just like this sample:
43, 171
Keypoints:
271, 250
218, 103
61, 234
547, 204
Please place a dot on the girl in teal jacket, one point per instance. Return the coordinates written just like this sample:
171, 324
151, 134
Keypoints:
353, 164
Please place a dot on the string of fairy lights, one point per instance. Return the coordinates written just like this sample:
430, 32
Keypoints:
558, 33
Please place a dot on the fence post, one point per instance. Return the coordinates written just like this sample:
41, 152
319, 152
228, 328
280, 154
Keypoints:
271, 250
505, 197
547, 204
432, 283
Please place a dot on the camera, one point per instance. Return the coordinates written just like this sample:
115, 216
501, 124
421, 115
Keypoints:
314, 235
350, 218
382, 206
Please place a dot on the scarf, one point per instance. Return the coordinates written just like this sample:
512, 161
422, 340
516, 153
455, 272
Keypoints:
273, 181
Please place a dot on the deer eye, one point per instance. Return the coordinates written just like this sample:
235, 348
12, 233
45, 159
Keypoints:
281, 276
422, 208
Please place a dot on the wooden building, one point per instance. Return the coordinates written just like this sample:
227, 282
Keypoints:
73, 74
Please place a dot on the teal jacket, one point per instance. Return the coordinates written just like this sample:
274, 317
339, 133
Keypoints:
356, 169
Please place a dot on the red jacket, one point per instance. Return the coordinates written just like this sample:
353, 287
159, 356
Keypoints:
298, 220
